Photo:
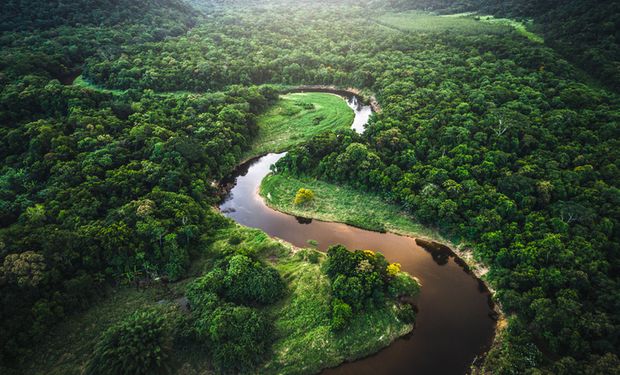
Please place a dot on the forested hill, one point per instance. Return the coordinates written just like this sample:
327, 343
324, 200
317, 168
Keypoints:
52, 39
585, 32
43, 14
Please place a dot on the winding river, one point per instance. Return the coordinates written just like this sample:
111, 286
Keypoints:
453, 325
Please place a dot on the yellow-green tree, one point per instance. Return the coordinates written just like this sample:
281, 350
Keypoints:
303, 196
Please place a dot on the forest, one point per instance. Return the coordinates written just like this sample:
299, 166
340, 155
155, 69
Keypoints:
119, 120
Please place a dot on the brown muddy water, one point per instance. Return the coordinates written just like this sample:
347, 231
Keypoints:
454, 324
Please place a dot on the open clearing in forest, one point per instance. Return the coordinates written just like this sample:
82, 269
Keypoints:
340, 204
463, 23
297, 117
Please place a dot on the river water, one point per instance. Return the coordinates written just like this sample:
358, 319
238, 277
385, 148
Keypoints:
453, 324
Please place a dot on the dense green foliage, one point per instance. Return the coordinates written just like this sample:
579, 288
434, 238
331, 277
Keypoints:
137, 345
295, 118
237, 335
585, 32
362, 280
489, 136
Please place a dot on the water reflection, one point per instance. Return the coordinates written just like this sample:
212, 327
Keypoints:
303, 220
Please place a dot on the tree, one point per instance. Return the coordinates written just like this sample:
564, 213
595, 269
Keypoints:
26, 269
341, 314
303, 197
140, 344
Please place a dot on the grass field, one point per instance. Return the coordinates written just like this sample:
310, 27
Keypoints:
417, 21
517, 25
340, 204
81, 82
465, 23
297, 117
304, 341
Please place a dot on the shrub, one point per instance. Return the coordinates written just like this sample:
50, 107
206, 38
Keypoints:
405, 313
249, 281
212, 282
393, 269
303, 196
240, 337
137, 345
341, 314
403, 285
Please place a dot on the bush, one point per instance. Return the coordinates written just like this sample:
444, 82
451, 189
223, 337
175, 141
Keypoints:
137, 345
249, 281
403, 285
303, 196
240, 337
341, 314
359, 278
405, 313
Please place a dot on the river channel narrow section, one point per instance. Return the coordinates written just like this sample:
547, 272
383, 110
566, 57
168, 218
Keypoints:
453, 325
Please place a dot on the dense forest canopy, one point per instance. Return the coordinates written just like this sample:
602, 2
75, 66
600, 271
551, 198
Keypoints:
494, 139
585, 32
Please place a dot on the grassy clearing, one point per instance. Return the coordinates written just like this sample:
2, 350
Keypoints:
417, 21
304, 342
465, 23
81, 82
341, 204
520, 27
297, 117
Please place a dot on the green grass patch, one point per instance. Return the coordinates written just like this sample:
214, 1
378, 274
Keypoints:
520, 27
464, 23
297, 117
424, 22
341, 204
81, 82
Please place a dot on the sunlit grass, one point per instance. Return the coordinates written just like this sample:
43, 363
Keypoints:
417, 21
521, 27
295, 118
341, 204
466, 23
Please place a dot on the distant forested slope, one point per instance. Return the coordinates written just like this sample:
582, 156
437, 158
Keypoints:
157, 14
585, 32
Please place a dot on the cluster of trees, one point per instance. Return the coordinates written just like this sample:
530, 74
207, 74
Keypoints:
137, 345
159, 16
363, 279
224, 315
96, 187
